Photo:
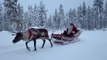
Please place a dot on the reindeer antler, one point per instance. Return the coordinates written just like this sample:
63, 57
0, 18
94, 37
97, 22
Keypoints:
19, 24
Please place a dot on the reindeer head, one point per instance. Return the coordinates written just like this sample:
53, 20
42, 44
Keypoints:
19, 34
18, 37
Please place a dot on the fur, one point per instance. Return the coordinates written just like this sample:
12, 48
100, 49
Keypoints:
36, 34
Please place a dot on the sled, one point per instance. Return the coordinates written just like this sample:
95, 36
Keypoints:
63, 40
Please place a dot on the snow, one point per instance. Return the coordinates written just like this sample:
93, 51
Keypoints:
92, 46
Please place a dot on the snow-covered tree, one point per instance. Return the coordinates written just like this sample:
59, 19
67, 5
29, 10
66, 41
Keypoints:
19, 18
30, 20
42, 15
1, 17
74, 14
56, 21
67, 20
79, 16
25, 17
10, 13
49, 23
20, 12
28, 17
89, 23
105, 16
35, 15
70, 16
61, 17
98, 12
84, 15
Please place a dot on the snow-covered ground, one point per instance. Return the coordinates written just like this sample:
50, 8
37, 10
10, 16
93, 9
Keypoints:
92, 46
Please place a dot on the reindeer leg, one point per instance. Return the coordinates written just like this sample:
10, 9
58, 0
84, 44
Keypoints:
50, 42
34, 44
43, 43
27, 45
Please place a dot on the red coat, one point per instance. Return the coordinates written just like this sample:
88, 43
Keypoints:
73, 29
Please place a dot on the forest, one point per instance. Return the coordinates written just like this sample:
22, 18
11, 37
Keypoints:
14, 18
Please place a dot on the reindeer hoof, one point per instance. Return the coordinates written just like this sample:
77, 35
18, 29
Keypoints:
28, 49
34, 50
42, 47
52, 45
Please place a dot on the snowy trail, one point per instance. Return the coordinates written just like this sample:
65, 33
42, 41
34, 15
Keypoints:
92, 46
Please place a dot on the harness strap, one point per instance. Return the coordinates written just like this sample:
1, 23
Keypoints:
30, 33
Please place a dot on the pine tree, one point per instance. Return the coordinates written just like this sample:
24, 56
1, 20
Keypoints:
1, 18
105, 16
19, 18
35, 15
30, 16
79, 16
89, 23
70, 16
56, 21
42, 15
26, 20
67, 20
74, 17
10, 13
49, 23
20, 12
61, 17
98, 12
84, 15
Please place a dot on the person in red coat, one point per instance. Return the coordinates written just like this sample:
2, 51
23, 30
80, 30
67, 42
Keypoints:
71, 31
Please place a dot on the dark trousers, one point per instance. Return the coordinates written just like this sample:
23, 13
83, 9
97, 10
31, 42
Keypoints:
65, 34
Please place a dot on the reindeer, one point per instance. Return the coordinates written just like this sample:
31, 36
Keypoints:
33, 34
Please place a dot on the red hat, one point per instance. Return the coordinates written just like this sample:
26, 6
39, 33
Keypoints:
72, 24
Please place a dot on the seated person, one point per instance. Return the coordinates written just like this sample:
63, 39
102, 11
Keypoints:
71, 31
